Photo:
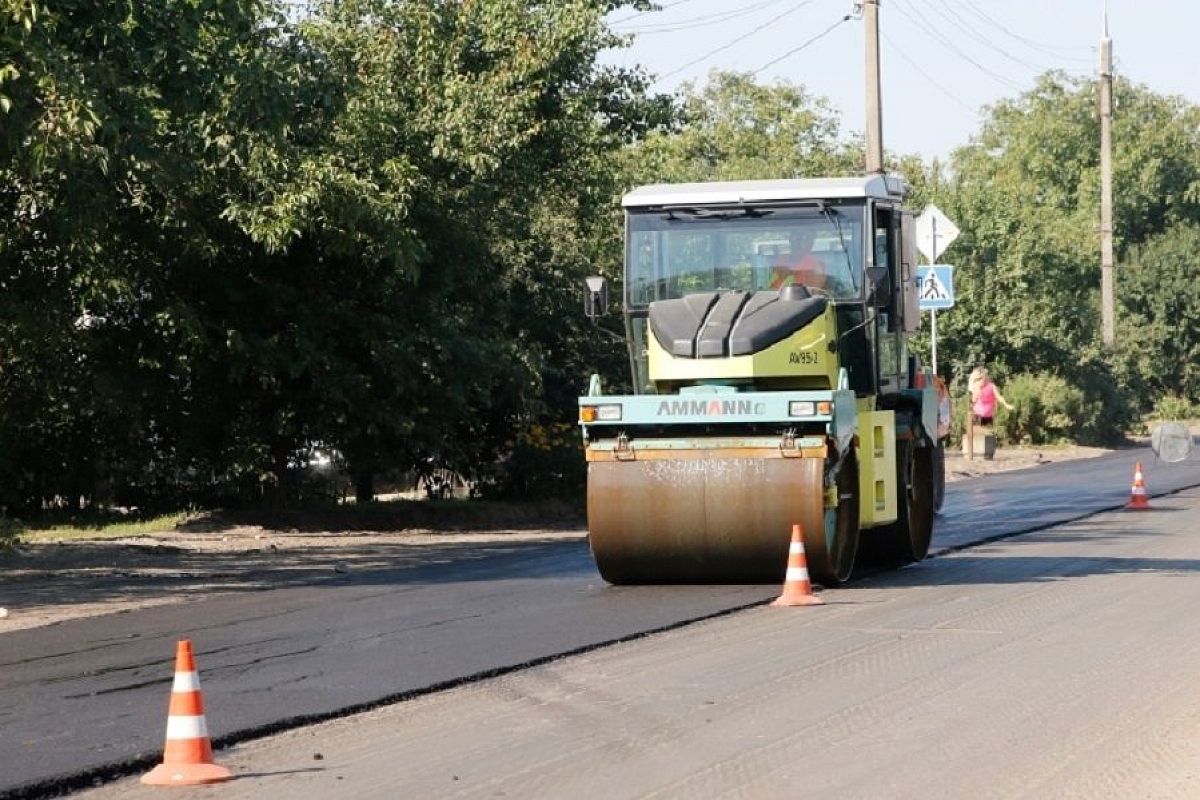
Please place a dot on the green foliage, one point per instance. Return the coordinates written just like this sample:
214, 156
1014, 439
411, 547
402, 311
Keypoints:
226, 239
1046, 410
100, 526
733, 128
1159, 316
1171, 407
960, 407
113, 167
543, 463
1025, 193
10, 531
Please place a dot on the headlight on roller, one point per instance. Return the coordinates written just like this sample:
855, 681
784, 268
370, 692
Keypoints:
610, 412
802, 408
809, 408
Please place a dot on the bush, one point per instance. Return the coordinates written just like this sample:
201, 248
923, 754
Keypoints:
1115, 413
1173, 407
1047, 410
10, 529
546, 462
960, 406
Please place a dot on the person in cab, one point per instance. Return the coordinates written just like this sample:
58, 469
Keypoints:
799, 265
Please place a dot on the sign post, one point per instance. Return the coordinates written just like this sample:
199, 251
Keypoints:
935, 291
935, 232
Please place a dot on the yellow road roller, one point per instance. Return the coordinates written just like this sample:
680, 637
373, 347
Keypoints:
772, 385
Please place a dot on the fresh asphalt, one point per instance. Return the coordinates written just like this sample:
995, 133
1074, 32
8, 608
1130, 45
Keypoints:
87, 699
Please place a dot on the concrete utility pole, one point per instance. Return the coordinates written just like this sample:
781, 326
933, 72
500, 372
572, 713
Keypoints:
1108, 331
874, 104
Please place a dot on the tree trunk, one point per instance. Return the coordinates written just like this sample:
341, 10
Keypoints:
364, 486
274, 488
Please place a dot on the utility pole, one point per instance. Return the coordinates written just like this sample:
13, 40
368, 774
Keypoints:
1108, 331
874, 104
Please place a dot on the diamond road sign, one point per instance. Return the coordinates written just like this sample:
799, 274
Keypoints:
933, 222
935, 287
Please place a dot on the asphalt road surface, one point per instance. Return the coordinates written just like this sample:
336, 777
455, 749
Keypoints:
87, 698
1058, 664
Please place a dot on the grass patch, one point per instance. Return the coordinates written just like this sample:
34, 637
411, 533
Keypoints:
383, 516
400, 514
100, 526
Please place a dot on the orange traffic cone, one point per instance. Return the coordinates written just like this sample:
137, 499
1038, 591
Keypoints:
797, 588
1137, 495
188, 756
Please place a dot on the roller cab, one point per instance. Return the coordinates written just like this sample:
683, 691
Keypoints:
771, 386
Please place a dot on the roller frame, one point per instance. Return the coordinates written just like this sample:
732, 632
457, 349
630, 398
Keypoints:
666, 506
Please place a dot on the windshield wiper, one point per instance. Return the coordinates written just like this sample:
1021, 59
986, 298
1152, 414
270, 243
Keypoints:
832, 215
716, 213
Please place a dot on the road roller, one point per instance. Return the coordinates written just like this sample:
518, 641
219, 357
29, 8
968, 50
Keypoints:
772, 385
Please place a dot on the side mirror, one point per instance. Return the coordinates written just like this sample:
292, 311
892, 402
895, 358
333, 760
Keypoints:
879, 287
595, 296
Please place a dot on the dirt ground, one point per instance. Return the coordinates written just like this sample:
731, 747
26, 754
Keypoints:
51, 582
1009, 458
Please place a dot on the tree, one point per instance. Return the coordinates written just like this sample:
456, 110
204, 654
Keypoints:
1025, 193
116, 121
1159, 321
482, 155
734, 128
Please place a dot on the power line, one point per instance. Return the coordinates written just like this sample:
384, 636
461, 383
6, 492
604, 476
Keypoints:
637, 14
949, 44
731, 43
955, 19
1046, 48
933, 82
698, 22
795, 50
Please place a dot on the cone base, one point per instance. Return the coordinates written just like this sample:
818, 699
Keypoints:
186, 775
1141, 505
788, 601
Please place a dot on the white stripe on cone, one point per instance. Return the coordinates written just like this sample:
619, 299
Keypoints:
796, 574
187, 728
795, 549
186, 682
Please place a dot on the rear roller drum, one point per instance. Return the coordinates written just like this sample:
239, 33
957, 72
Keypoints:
939, 477
908, 538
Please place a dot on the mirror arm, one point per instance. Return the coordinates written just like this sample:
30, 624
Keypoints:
611, 334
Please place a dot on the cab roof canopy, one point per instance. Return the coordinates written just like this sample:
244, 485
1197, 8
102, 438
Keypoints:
883, 187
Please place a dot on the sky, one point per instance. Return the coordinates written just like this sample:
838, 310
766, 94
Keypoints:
942, 60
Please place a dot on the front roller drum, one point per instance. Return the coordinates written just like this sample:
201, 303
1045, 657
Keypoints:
711, 519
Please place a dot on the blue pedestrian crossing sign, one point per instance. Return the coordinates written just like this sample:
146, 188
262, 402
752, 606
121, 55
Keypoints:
935, 287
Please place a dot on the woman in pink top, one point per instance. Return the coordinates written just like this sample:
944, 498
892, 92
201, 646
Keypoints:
984, 396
